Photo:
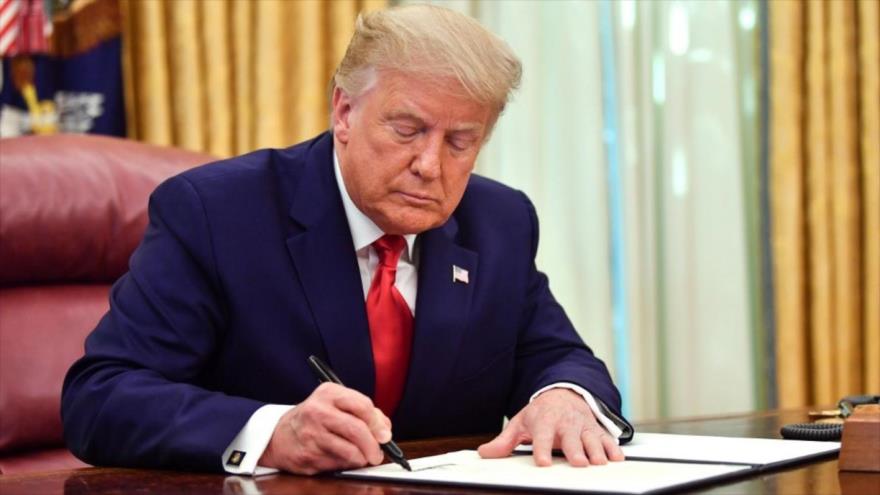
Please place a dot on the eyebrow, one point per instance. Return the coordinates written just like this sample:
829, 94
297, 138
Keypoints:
404, 115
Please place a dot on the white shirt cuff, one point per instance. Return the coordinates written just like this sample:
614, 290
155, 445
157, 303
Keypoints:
248, 446
605, 421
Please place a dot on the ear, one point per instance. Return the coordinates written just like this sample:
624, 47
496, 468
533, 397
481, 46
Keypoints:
341, 114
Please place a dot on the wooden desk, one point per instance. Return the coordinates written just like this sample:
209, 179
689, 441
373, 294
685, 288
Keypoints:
817, 478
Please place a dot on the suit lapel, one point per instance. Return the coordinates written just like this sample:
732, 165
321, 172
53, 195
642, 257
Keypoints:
323, 254
442, 310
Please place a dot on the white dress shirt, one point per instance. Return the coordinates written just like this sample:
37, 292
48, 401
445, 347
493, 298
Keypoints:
254, 437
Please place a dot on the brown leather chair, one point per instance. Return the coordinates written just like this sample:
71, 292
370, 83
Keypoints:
72, 210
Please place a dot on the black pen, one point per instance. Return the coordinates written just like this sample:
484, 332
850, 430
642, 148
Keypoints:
325, 374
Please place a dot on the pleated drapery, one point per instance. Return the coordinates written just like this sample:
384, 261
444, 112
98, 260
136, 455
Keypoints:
825, 190
230, 76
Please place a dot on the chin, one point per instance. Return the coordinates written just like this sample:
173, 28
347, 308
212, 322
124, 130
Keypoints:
407, 229
411, 226
404, 220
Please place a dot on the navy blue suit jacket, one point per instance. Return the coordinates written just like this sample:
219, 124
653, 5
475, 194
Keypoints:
247, 267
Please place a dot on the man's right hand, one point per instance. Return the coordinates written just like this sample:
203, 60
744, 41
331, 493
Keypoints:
334, 428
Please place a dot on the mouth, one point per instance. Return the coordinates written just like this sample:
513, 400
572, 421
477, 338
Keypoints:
416, 199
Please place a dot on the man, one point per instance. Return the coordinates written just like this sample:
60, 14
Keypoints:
372, 247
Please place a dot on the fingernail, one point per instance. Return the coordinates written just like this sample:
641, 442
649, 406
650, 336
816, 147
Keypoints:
384, 435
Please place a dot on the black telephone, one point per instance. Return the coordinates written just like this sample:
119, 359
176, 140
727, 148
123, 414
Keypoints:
828, 432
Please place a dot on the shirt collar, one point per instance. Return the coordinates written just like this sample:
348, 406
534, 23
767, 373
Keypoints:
363, 231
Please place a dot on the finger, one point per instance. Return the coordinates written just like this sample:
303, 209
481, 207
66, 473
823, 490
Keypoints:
380, 426
339, 452
542, 444
325, 452
356, 432
503, 444
612, 449
355, 403
573, 448
594, 447
360, 406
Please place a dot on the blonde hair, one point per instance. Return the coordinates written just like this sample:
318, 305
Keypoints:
433, 41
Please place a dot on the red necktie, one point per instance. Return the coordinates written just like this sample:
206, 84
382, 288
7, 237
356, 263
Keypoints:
391, 325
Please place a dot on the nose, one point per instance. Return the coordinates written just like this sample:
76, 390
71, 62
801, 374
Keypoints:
428, 163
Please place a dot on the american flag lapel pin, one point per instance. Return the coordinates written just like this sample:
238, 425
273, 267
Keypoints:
459, 274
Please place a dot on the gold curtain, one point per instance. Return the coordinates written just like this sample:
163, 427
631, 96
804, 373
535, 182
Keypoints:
825, 198
230, 76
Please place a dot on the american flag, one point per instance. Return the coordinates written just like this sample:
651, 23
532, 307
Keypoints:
24, 27
459, 274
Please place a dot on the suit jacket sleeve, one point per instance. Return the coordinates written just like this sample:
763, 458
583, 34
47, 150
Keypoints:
550, 350
139, 396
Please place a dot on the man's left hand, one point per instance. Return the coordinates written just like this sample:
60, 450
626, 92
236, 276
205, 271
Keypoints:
557, 419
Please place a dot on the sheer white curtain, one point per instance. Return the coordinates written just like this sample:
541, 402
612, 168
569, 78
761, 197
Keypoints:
549, 144
681, 101
679, 337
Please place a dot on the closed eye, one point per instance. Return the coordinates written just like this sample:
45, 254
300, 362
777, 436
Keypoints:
461, 144
406, 132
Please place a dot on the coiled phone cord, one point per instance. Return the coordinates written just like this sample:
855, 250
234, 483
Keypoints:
820, 432
828, 432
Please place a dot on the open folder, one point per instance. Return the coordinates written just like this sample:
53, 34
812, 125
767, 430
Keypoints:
665, 462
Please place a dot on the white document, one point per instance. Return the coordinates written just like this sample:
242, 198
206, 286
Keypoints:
752, 451
519, 471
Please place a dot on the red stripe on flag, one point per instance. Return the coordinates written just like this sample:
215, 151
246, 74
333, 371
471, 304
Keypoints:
8, 28
10, 16
5, 4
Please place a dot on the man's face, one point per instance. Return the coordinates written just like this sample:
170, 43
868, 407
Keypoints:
406, 148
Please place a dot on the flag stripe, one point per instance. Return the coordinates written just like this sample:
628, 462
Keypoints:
7, 5
7, 40
8, 13
9, 26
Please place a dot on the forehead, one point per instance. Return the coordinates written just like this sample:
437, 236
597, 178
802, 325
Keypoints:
431, 99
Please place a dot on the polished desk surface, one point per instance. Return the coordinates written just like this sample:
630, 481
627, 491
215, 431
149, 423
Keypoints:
820, 477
